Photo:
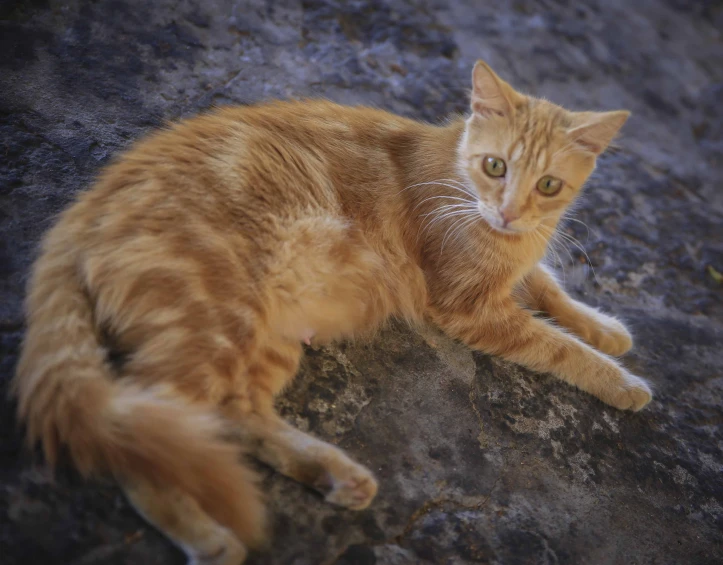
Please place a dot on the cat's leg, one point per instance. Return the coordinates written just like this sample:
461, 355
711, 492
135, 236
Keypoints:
292, 452
182, 520
306, 459
540, 291
503, 328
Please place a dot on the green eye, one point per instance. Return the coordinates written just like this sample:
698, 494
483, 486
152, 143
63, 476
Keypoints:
549, 186
494, 166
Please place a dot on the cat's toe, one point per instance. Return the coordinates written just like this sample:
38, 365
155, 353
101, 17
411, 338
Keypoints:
615, 343
228, 551
354, 489
633, 395
613, 338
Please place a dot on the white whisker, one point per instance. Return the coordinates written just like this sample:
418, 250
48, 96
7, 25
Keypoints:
561, 238
453, 213
552, 241
566, 218
457, 225
464, 190
577, 244
449, 206
456, 233
439, 197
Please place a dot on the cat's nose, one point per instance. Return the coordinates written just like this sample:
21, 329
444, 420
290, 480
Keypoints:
507, 217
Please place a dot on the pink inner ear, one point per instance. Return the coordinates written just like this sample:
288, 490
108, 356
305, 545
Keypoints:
491, 96
599, 130
479, 107
589, 145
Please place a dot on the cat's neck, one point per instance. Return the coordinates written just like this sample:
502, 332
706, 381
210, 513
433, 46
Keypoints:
434, 155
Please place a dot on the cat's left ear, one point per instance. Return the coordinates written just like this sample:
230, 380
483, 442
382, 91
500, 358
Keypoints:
593, 131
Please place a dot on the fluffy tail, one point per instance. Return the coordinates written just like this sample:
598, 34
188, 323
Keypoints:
66, 397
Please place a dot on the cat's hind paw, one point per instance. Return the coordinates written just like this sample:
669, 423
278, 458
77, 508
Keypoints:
354, 487
230, 551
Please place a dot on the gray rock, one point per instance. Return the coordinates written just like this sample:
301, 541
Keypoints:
479, 461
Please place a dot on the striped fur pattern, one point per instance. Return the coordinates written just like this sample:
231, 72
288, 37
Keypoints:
169, 304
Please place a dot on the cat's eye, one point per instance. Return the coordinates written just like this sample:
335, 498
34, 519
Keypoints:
494, 166
549, 186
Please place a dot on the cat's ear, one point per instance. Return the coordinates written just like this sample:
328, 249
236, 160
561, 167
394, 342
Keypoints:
593, 131
491, 96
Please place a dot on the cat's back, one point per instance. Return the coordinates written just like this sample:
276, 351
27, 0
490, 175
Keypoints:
276, 154
234, 135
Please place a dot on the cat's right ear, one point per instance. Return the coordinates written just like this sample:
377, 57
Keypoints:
492, 96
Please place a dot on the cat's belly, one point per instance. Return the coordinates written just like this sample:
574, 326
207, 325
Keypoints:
328, 282
326, 320
307, 335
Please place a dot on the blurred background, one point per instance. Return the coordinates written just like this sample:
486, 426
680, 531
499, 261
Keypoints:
479, 461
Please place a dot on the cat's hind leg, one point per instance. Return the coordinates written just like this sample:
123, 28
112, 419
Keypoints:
182, 520
297, 455
309, 460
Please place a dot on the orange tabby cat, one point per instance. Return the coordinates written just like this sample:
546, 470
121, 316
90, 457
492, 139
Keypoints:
210, 251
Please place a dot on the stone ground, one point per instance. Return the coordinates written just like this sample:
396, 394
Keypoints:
479, 461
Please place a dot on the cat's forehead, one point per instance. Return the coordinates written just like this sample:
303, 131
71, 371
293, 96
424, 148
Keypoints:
537, 132
529, 139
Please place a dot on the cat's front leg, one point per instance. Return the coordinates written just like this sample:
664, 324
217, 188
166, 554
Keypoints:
502, 328
541, 291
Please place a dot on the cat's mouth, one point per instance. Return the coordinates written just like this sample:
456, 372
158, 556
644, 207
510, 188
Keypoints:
497, 225
492, 218
507, 230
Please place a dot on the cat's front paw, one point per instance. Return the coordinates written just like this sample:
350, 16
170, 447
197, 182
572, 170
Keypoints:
610, 336
633, 394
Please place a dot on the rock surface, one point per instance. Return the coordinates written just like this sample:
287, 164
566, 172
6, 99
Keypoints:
479, 461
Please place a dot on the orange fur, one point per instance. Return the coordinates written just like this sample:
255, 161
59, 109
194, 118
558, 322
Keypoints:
67, 396
208, 252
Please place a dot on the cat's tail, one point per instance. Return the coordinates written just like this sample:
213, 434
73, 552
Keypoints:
68, 400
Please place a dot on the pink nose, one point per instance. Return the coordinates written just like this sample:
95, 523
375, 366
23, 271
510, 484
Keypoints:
508, 217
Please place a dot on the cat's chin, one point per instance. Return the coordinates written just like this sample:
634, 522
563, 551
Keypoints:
505, 231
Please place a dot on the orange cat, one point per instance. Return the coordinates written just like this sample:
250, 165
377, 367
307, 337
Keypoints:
210, 251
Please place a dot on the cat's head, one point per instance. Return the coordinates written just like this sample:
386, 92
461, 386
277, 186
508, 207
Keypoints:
527, 158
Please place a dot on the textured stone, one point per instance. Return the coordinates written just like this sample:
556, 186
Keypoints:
479, 461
